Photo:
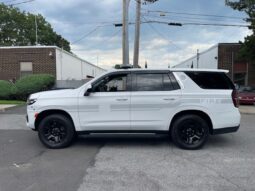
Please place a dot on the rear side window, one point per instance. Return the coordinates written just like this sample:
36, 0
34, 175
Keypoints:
211, 80
155, 82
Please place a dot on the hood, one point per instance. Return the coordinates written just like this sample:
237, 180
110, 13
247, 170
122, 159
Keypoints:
54, 94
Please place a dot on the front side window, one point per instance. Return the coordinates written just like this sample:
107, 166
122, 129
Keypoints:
113, 83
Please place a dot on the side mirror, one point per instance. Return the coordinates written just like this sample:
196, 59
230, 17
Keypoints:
88, 91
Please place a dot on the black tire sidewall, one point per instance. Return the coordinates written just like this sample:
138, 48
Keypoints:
68, 125
176, 126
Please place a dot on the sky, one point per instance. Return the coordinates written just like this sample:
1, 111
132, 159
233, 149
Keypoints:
89, 27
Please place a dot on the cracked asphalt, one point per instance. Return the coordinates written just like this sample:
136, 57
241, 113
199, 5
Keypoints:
124, 162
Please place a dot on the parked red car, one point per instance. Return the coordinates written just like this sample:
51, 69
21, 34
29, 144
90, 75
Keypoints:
246, 95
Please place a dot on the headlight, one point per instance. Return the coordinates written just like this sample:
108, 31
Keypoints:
31, 101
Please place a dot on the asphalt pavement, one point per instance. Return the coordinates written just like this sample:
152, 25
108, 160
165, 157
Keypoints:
124, 162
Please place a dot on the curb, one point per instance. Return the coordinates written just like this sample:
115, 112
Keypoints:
247, 113
7, 108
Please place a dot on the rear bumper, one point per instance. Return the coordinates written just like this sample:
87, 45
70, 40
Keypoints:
246, 101
225, 130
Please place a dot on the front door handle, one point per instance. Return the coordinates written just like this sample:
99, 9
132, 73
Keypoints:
122, 99
169, 99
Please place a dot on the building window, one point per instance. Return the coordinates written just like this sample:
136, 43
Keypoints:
26, 68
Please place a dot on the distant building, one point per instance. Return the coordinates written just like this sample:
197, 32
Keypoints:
224, 56
18, 61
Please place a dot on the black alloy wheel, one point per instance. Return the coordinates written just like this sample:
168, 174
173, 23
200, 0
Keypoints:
56, 131
190, 132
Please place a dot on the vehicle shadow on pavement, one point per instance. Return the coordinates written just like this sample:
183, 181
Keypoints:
122, 140
218, 141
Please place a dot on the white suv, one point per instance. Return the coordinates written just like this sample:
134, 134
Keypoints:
189, 105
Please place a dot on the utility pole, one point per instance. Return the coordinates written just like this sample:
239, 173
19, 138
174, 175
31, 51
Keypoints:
137, 34
125, 41
36, 36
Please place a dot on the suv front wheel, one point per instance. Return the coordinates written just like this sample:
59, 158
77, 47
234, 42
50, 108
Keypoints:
190, 132
56, 131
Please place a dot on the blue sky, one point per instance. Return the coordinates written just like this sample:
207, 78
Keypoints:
161, 45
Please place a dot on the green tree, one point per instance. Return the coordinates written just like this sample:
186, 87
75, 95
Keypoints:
17, 28
248, 46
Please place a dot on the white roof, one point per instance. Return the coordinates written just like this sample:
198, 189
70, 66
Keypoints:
174, 70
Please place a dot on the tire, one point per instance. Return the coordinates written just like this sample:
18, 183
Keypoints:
56, 131
190, 132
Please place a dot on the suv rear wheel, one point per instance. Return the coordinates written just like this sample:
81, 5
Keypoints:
56, 131
190, 132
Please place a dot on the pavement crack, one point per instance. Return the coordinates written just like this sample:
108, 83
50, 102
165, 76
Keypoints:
92, 163
31, 158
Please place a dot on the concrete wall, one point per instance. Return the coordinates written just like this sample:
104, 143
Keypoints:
207, 60
70, 67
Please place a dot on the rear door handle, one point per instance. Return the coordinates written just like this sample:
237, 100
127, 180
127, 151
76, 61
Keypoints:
122, 99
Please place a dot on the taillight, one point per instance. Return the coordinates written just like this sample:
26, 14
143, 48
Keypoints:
235, 98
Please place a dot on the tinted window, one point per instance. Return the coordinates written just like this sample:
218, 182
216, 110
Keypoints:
149, 82
211, 80
113, 83
154, 82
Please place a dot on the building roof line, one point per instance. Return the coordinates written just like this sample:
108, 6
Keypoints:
207, 50
13, 47
75, 56
56, 47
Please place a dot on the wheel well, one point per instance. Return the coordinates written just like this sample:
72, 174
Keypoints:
195, 112
45, 113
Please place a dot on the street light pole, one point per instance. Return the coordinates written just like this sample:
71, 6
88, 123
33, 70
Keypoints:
137, 34
125, 41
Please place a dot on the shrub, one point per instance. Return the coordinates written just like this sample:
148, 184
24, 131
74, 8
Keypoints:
7, 90
32, 84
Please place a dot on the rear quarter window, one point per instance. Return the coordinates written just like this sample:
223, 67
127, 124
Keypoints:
211, 80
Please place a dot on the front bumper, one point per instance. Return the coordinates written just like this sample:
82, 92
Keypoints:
30, 119
225, 130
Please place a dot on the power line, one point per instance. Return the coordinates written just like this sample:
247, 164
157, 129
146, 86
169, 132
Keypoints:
159, 33
202, 24
108, 40
196, 14
8, 1
88, 34
216, 24
186, 18
23, 2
